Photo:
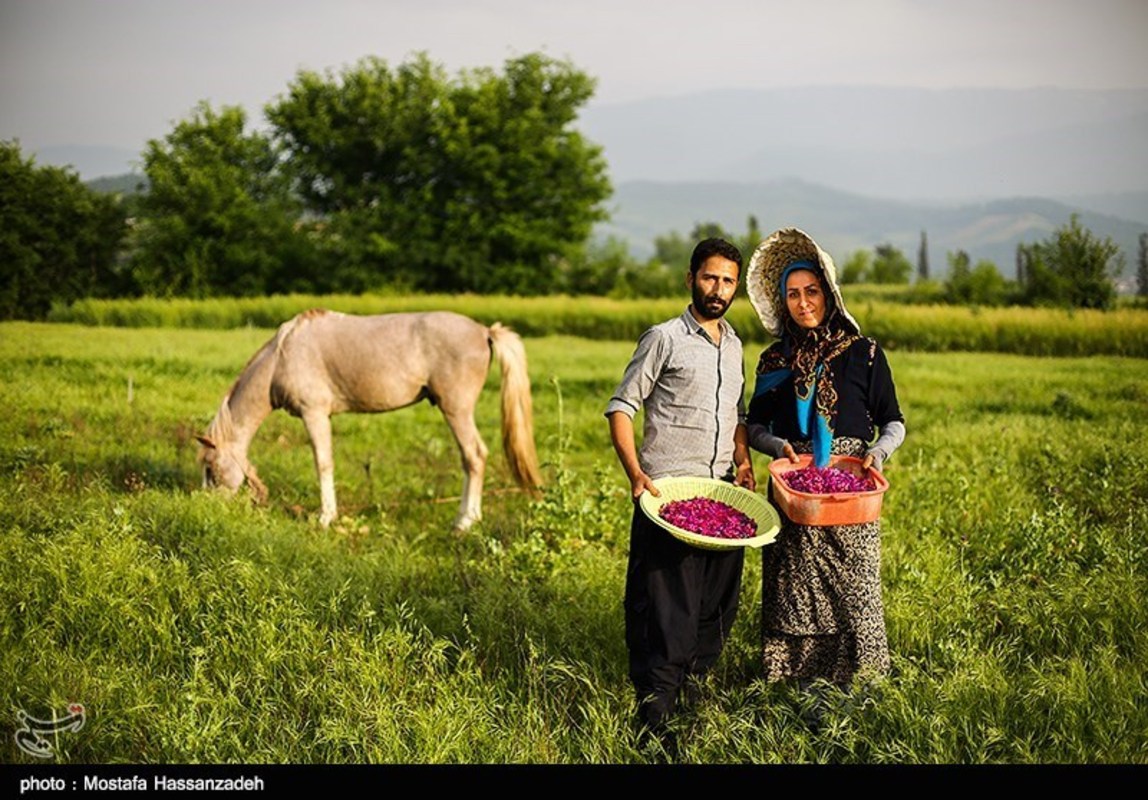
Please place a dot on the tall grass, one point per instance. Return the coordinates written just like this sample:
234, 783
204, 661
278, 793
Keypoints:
200, 629
926, 328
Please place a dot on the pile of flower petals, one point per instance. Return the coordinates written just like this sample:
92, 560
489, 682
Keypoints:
826, 480
708, 517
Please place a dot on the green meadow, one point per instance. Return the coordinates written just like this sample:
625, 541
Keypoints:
200, 629
923, 327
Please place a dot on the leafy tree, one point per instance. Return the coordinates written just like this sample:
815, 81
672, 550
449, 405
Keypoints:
597, 268
752, 238
218, 218
708, 230
981, 285
857, 267
672, 254
889, 265
58, 238
1072, 268
655, 278
473, 184
674, 250
958, 275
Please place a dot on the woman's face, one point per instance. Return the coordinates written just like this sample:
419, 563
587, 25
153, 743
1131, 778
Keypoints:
804, 298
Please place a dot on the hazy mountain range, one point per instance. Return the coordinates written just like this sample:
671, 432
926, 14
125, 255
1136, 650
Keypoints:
976, 169
842, 222
897, 143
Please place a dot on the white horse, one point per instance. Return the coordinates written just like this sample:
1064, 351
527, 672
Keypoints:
322, 362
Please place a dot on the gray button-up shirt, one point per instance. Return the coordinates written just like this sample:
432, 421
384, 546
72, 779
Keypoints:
693, 391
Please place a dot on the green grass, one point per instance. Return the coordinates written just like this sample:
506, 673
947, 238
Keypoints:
899, 326
199, 629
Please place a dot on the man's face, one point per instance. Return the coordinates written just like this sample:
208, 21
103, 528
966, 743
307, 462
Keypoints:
713, 286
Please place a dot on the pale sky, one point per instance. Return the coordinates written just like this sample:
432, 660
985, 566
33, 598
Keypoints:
119, 72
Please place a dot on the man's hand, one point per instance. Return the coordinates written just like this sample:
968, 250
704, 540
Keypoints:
741, 458
622, 435
745, 476
643, 483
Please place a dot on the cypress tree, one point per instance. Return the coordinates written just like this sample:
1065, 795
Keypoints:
923, 258
1142, 267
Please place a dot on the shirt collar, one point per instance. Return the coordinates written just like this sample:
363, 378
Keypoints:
693, 326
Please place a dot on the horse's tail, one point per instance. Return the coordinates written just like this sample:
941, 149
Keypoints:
517, 407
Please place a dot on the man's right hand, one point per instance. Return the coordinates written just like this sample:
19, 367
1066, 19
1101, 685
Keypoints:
622, 435
642, 483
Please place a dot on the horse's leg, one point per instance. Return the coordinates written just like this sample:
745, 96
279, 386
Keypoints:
474, 454
318, 426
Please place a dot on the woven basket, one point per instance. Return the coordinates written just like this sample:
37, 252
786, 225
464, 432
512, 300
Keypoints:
749, 503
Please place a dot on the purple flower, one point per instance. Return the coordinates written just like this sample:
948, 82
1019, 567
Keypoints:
826, 480
708, 517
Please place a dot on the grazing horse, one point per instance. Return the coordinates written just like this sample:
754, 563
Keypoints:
323, 362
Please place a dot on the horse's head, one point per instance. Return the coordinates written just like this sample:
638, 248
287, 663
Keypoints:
226, 469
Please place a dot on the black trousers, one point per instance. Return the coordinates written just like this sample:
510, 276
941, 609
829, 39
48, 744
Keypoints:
680, 603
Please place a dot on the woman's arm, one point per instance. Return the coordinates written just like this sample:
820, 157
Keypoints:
892, 435
759, 435
884, 410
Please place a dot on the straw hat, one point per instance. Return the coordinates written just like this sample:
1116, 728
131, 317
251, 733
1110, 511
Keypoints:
762, 283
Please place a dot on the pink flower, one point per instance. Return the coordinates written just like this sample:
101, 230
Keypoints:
708, 517
826, 480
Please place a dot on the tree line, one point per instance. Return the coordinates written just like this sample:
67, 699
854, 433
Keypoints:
367, 178
409, 179
1072, 268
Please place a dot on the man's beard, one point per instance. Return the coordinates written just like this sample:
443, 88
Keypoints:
711, 307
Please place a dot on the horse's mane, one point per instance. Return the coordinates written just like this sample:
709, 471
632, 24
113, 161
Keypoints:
288, 328
222, 428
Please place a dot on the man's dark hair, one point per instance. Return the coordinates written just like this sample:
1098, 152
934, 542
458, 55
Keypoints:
707, 248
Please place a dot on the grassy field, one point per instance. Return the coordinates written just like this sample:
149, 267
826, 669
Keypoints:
922, 328
197, 629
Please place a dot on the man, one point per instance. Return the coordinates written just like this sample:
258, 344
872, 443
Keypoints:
688, 374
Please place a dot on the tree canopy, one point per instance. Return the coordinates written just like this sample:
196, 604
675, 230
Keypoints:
982, 285
889, 265
477, 183
1071, 268
218, 218
58, 238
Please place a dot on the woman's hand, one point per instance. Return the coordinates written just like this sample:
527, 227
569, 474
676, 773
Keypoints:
789, 452
871, 460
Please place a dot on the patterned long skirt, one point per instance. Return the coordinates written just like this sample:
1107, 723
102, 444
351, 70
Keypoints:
822, 615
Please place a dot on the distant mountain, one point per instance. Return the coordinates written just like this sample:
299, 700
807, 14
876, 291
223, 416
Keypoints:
90, 161
131, 183
843, 222
1129, 205
955, 144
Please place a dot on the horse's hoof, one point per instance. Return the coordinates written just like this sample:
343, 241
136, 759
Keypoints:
464, 524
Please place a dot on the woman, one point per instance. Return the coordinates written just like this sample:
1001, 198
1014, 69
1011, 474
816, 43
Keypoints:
821, 388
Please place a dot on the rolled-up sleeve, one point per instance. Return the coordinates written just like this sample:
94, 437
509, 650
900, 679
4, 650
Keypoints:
641, 374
